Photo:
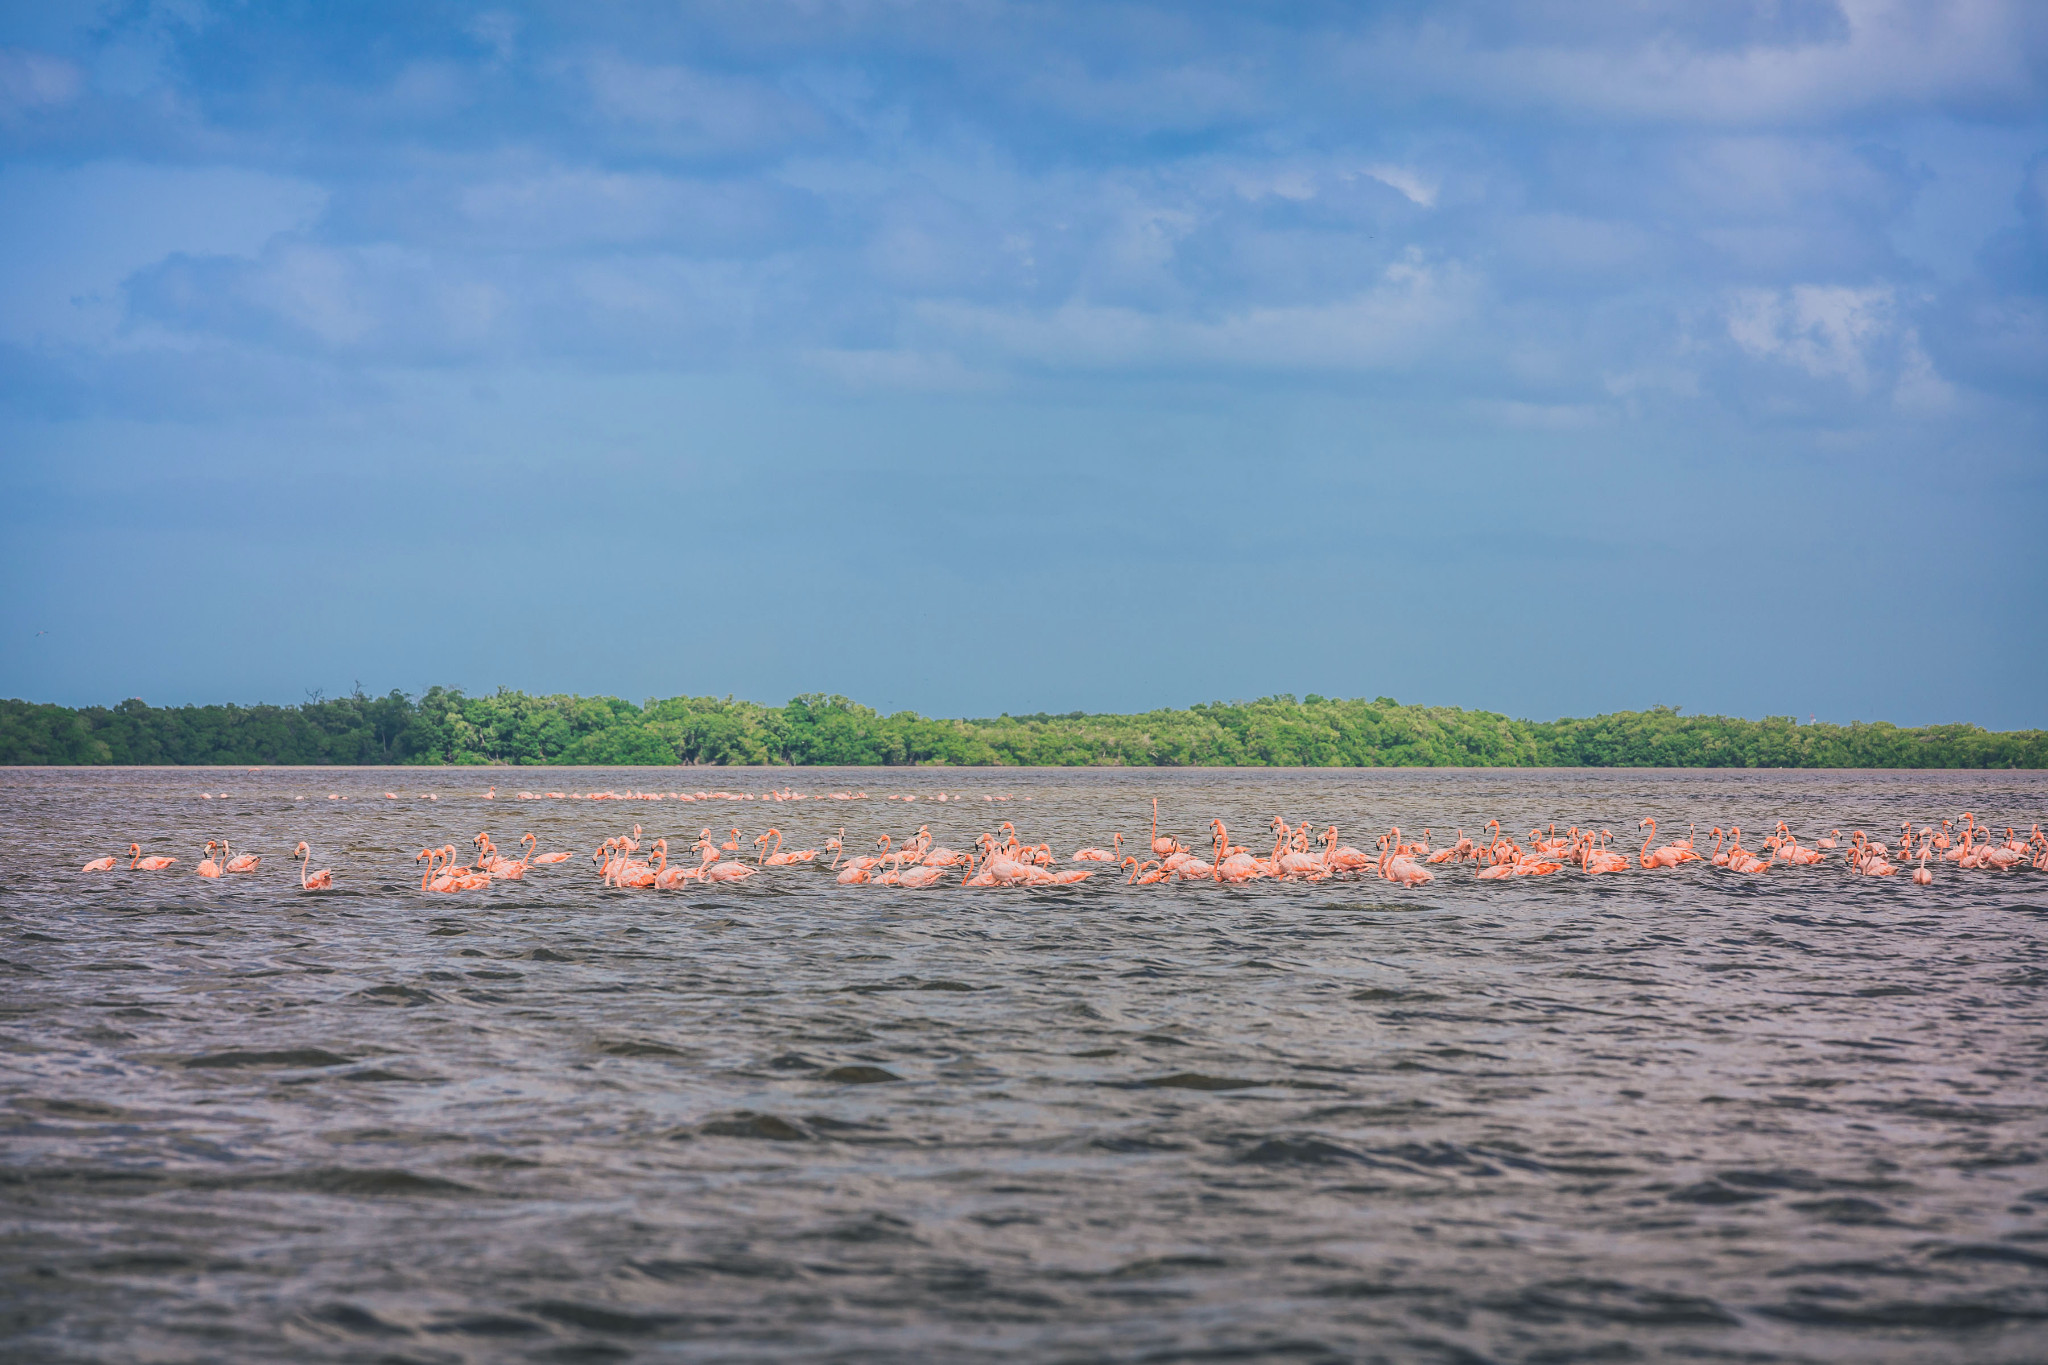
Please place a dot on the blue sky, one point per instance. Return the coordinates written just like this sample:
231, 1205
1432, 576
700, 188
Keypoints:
1550, 357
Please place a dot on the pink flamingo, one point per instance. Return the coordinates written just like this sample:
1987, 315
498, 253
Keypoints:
1142, 874
138, 863
1741, 859
1921, 876
1668, 856
323, 880
1720, 858
1397, 866
1597, 860
1096, 855
465, 878
105, 864
1341, 856
668, 878
237, 862
208, 867
1444, 855
545, 859
488, 857
776, 857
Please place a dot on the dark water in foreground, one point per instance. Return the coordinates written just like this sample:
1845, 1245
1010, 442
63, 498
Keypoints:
1682, 1115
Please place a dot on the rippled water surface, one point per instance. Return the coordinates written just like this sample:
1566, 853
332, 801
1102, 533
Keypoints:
1650, 1115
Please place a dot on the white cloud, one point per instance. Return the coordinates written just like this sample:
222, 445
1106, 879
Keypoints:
1412, 307
1825, 330
1418, 188
1839, 332
1963, 54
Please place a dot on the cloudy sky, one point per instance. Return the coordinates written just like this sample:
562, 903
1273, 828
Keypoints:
1545, 357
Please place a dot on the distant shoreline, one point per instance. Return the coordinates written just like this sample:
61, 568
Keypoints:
447, 729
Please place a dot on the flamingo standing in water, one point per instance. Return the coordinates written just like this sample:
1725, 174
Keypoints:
237, 862
1142, 874
1921, 876
544, 859
1096, 855
668, 878
1342, 857
323, 880
926, 874
712, 870
1596, 859
105, 864
508, 870
1671, 855
1741, 859
153, 863
775, 857
1398, 865
207, 866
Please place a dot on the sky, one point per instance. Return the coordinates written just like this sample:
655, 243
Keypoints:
1551, 358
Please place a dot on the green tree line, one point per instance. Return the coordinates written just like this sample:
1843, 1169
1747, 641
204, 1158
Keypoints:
447, 727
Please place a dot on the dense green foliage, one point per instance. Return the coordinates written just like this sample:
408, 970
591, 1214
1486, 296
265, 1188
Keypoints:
511, 727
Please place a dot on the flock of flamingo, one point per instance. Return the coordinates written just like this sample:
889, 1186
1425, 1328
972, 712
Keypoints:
217, 860
1001, 858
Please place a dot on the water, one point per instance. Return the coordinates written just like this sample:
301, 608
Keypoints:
1646, 1116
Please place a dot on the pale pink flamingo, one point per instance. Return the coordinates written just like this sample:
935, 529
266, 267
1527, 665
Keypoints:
1921, 876
323, 880
1741, 859
668, 878
238, 862
725, 872
1396, 864
1096, 855
207, 866
1456, 850
1597, 860
488, 857
105, 864
1233, 864
466, 878
545, 859
1344, 858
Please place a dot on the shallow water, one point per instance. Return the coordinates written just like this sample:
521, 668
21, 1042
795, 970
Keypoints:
1682, 1114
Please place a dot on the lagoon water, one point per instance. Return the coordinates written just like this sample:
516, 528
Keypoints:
1681, 1115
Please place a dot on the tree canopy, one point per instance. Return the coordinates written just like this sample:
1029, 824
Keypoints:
445, 726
